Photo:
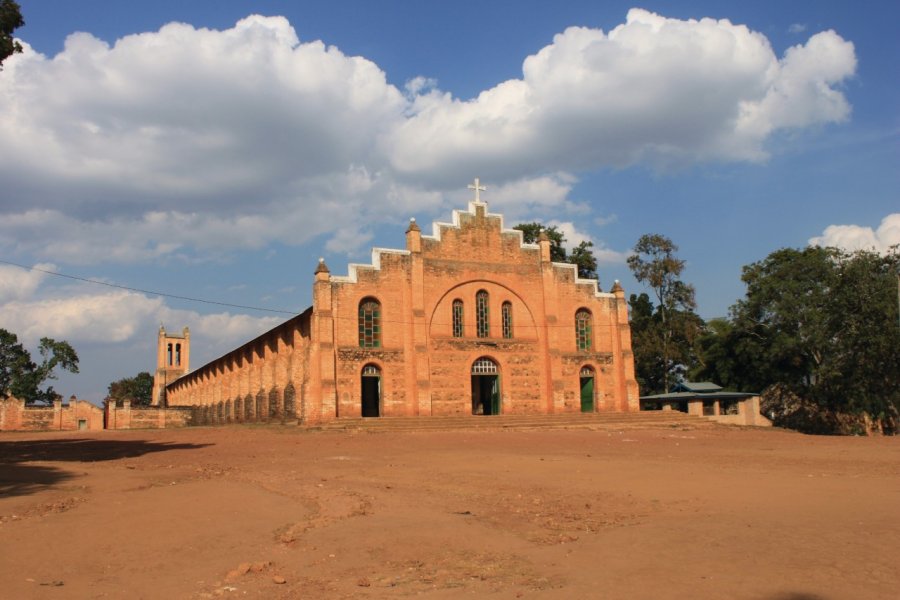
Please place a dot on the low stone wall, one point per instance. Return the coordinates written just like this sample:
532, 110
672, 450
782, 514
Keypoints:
748, 412
15, 415
145, 417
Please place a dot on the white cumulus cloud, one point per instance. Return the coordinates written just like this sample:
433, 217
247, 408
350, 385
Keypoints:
656, 90
603, 254
857, 237
190, 141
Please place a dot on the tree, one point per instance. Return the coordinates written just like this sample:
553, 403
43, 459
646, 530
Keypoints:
677, 328
138, 389
22, 378
646, 343
822, 323
10, 20
582, 256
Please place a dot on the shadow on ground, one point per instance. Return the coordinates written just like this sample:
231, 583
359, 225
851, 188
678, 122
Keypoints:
18, 479
83, 450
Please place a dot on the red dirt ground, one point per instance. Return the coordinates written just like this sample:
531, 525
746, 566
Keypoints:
266, 512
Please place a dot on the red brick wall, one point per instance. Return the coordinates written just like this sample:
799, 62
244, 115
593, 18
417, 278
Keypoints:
125, 416
77, 414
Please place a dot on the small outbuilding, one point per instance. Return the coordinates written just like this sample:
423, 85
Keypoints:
706, 399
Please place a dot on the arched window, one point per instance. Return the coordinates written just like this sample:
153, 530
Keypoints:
482, 315
583, 329
369, 323
458, 318
506, 312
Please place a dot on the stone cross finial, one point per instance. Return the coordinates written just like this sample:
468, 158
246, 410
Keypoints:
478, 188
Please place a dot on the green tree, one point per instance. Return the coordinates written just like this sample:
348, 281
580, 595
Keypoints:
10, 20
646, 343
676, 328
21, 377
138, 389
582, 256
820, 322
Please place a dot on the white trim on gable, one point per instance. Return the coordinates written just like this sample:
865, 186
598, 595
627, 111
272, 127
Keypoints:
579, 281
352, 268
436, 226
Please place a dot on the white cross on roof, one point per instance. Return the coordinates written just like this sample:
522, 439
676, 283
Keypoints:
478, 188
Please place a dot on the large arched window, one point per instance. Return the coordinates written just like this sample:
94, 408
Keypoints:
369, 323
583, 329
458, 318
506, 313
482, 314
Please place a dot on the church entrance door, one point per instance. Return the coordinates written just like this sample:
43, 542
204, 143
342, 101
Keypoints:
485, 387
587, 389
371, 391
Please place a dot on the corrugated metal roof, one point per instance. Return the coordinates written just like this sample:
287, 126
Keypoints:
700, 387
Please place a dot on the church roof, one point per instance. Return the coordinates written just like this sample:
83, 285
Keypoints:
698, 387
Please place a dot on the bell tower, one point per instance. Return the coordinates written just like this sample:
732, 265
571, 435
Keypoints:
173, 351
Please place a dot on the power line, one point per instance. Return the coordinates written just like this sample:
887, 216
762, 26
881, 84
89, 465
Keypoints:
439, 323
151, 292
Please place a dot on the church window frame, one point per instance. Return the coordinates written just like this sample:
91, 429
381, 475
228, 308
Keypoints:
458, 318
583, 329
507, 320
369, 323
482, 314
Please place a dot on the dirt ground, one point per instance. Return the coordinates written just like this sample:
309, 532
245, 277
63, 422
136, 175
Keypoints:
269, 512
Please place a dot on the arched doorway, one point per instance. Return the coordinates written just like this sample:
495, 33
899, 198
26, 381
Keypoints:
586, 378
371, 391
485, 387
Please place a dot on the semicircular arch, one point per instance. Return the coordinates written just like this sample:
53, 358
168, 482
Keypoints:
453, 292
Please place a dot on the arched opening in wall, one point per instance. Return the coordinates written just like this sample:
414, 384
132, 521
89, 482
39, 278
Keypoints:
485, 387
238, 410
586, 379
249, 408
289, 401
274, 409
371, 391
261, 413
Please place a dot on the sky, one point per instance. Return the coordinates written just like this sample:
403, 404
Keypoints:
216, 149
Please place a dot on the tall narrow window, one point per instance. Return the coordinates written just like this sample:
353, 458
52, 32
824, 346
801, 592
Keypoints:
482, 315
369, 323
177, 355
458, 318
169, 355
583, 329
507, 320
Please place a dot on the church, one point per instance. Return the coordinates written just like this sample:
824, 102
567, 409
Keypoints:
469, 320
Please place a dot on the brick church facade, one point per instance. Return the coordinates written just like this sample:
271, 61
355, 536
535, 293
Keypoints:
467, 321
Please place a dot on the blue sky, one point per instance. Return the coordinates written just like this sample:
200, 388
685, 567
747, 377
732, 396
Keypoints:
221, 157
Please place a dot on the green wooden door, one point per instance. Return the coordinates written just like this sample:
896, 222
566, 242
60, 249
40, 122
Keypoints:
587, 394
495, 395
